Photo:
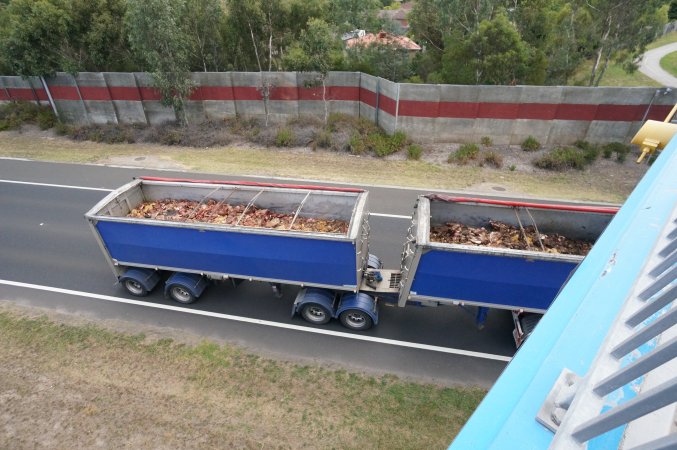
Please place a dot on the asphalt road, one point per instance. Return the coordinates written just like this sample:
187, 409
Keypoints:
651, 65
45, 242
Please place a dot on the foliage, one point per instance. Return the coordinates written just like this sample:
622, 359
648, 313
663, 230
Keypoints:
381, 60
492, 159
156, 35
493, 54
323, 139
15, 114
563, 158
414, 151
464, 154
349, 15
530, 144
486, 141
356, 144
621, 150
284, 137
590, 151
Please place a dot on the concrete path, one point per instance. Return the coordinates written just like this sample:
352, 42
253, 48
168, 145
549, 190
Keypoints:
650, 65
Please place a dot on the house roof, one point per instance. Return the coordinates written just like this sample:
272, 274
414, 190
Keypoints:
384, 38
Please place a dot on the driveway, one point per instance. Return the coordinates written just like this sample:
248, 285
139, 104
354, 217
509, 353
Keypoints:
650, 65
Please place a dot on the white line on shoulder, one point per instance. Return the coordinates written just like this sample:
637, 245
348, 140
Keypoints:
64, 186
434, 348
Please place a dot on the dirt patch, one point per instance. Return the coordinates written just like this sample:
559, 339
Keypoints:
82, 386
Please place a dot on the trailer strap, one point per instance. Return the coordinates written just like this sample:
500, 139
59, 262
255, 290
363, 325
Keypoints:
254, 184
558, 207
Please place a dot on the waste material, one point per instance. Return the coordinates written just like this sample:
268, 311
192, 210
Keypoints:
214, 212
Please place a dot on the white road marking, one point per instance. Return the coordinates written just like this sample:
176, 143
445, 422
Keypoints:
433, 348
65, 186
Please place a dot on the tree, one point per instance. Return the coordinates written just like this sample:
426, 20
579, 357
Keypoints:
156, 36
494, 54
621, 29
349, 15
203, 22
318, 50
35, 39
386, 61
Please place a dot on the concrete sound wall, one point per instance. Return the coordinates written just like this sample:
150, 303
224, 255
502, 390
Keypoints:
429, 113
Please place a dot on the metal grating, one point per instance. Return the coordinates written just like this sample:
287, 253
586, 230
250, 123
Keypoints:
642, 341
395, 279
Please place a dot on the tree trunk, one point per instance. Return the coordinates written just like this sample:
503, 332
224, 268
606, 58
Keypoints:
324, 99
600, 52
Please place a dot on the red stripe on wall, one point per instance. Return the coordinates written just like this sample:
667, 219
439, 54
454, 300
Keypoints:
125, 93
537, 111
149, 93
96, 93
243, 93
658, 112
64, 93
19, 94
622, 113
284, 93
223, 93
497, 110
387, 104
368, 97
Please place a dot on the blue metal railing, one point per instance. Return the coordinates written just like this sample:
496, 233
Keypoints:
575, 330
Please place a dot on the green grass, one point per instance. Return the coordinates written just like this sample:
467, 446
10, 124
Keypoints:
613, 76
211, 391
663, 40
669, 63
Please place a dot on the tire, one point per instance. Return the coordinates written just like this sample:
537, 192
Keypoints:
180, 294
134, 287
315, 314
356, 319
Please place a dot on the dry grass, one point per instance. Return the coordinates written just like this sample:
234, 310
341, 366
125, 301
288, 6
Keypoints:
68, 386
611, 183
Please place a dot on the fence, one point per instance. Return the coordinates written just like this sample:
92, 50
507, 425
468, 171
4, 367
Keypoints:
428, 113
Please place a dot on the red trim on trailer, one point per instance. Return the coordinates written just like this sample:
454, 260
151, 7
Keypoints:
254, 183
559, 207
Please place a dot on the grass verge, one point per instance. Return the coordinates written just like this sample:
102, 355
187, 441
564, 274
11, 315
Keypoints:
84, 386
327, 166
669, 63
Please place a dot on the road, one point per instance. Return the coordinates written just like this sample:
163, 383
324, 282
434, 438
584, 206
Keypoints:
651, 67
49, 259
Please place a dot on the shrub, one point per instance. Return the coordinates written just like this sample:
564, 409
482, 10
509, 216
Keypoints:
379, 144
284, 137
590, 151
531, 144
356, 144
563, 158
621, 150
15, 114
512, 167
486, 141
399, 139
62, 129
465, 153
414, 152
492, 159
323, 139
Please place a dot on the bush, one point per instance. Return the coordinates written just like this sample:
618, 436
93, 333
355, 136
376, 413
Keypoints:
486, 141
590, 151
531, 144
15, 114
492, 159
512, 167
563, 158
414, 152
399, 139
464, 154
62, 129
284, 137
323, 139
621, 150
356, 144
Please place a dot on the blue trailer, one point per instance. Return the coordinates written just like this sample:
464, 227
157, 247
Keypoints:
338, 276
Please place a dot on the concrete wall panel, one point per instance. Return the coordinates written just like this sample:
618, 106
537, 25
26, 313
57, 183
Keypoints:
67, 101
567, 131
522, 129
603, 131
156, 112
453, 130
500, 131
126, 97
96, 97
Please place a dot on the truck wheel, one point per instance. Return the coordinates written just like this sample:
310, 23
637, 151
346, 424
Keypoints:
135, 288
180, 294
356, 320
314, 313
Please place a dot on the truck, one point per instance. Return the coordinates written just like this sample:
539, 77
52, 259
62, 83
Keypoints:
338, 276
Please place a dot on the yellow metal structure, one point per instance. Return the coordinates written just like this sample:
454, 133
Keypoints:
655, 135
